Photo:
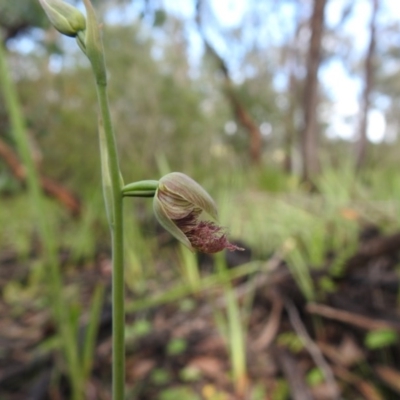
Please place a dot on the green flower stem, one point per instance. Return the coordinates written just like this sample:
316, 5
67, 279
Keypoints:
60, 308
150, 185
236, 334
116, 226
112, 186
140, 189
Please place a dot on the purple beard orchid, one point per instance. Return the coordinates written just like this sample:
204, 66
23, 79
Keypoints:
187, 211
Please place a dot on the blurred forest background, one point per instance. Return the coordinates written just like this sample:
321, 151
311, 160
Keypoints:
287, 112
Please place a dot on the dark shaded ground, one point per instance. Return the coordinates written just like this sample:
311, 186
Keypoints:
317, 348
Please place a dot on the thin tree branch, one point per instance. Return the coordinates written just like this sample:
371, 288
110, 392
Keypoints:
50, 187
312, 348
241, 113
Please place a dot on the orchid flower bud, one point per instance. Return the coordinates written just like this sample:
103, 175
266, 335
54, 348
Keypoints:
188, 212
67, 19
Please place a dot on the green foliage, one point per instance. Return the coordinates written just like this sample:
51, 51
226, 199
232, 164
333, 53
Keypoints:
281, 391
190, 374
315, 377
258, 393
16, 234
90, 338
381, 338
291, 341
160, 376
65, 315
156, 106
232, 328
139, 328
176, 346
61, 128
189, 267
18, 15
274, 180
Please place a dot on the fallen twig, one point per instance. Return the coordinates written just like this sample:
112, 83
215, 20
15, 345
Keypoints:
312, 348
350, 318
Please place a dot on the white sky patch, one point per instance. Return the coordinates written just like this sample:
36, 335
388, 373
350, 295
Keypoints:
392, 7
120, 15
24, 45
229, 12
344, 91
337, 82
342, 88
356, 25
230, 128
334, 11
376, 126
55, 63
181, 8
265, 129
341, 126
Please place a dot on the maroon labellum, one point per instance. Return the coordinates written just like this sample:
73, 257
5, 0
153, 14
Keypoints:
188, 212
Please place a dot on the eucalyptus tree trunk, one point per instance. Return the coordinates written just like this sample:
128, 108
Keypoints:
361, 144
309, 133
291, 63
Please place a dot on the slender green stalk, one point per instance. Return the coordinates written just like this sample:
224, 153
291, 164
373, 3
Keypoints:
112, 186
235, 329
116, 226
190, 267
49, 245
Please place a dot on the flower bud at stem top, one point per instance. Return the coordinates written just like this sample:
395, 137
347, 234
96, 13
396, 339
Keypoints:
67, 19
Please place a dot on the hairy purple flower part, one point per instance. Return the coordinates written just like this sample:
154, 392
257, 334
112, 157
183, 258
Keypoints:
188, 212
204, 236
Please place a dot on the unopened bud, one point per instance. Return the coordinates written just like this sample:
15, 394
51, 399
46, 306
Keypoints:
67, 19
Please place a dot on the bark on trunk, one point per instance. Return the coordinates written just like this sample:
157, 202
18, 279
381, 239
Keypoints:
293, 93
309, 136
361, 145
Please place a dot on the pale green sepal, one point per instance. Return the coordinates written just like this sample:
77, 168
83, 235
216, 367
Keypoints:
148, 186
105, 173
185, 187
121, 180
80, 39
168, 224
94, 45
67, 19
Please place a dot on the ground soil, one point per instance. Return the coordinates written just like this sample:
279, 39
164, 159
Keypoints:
295, 349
